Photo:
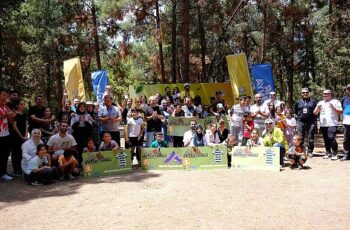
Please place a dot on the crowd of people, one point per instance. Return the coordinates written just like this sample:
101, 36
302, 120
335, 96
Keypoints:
46, 146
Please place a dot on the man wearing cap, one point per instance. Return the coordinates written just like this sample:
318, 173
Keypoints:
187, 91
346, 123
274, 137
218, 100
306, 120
329, 110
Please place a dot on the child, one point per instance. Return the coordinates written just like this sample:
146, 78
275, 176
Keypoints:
39, 170
158, 143
68, 165
280, 119
135, 127
90, 147
107, 143
291, 124
255, 139
230, 143
296, 154
248, 126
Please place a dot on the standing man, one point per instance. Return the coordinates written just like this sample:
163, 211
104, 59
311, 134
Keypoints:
110, 117
5, 116
256, 111
272, 99
187, 92
346, 124
236, 118
154, 120
36, 114
306, 120
329, 110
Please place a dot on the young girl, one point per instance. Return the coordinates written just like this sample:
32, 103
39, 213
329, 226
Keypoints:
248, 125
296, 154
255, 140
134, 134
230, 143
291, 124
68, 165
48, 130
280, 119
90, 146
211, 135
107, 143
199, 139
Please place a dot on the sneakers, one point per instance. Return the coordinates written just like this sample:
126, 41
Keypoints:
70, 177
327, 156
300, 167
346, 157
334, 157
6, 177
35, 183
309, 154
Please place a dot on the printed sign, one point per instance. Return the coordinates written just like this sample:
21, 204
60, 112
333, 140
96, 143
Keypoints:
106, 163
177, 126
256, 158
189, 158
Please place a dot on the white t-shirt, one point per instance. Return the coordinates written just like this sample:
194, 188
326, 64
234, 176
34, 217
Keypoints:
290, 122
28, 152
134, 127
112, 112
59, 143
212, 139
328, 116
237, 115
35, 163
259, 121
188, 138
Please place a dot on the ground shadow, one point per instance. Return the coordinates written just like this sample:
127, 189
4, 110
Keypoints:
17, 191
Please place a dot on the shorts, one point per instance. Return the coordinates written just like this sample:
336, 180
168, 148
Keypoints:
134, 142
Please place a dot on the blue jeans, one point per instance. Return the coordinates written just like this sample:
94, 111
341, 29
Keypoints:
282, 152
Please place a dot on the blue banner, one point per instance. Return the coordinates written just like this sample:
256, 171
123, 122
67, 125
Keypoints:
99, 81
263, 79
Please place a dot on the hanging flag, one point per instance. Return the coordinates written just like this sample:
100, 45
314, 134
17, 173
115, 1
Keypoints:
263, 79
239, 75
99, 81
73, 79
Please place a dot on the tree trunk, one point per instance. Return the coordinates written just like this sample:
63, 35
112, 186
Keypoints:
95, 35
173, 43
160, 44
185, 40
263, 42
203, 77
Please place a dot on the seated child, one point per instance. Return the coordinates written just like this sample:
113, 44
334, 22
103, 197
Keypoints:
255, 140
230, 143
68, 165
39, 170
90, 147
248, 125
159, 142
107, 143
296, 154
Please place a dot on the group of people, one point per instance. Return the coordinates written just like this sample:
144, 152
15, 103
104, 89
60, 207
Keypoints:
56, 142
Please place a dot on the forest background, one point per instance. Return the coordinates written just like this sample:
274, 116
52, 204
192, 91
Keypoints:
169, 41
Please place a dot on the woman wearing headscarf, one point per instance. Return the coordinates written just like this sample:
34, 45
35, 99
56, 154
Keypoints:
199, 138
81, 123
29, 148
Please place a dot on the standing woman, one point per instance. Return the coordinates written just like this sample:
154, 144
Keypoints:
90, 107
19, 133
270, 111
82, 128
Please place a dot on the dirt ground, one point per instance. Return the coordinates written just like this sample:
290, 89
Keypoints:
317, 198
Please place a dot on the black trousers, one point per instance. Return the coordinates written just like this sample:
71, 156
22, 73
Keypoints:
16, 154
44, 176
4, 154
307, 129
346, 144
330, 142
178, 141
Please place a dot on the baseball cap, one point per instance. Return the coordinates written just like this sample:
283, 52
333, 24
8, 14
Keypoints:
221, 121
267, 121
187, 84
305, 90
90, 103
348, 86
219, 106
272, 93
218, 92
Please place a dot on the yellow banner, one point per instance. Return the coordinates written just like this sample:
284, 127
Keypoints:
239, 75
256, 158
204, 90
73, 79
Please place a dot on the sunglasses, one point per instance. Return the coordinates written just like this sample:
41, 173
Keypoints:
304, 92
269, 123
